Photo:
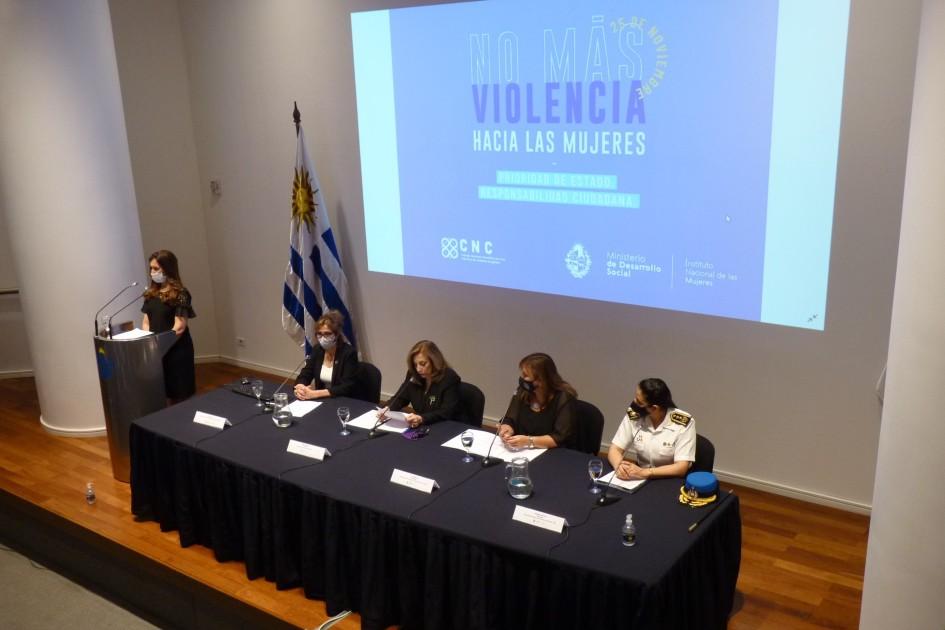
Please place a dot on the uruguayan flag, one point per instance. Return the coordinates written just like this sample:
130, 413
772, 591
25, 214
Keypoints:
314, 279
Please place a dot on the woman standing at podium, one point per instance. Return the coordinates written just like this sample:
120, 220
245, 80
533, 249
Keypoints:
541, 414
167, 307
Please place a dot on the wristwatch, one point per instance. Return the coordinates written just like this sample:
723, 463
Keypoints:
531, 442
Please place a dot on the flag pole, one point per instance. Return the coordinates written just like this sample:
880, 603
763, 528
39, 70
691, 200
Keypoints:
297, 117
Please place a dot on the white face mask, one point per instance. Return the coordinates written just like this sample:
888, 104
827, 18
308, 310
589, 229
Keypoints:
158, 277
327, 343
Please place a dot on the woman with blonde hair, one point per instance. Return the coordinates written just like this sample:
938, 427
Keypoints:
431, 387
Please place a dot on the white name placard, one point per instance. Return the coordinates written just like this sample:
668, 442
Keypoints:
210, 420
416, 482
307, 450
538, 519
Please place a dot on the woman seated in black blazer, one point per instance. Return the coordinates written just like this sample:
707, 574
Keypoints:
431, 387
332, 368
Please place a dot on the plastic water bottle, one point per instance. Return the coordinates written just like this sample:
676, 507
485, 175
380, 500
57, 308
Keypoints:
90, 493
629, 532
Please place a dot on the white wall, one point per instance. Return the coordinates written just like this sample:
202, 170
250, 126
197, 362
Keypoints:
156, 98
905, 560
787, 407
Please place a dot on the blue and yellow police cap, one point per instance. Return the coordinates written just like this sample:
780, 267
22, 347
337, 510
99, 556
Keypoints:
701, 489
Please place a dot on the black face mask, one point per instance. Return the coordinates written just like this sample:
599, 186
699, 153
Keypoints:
528, 386
640, 409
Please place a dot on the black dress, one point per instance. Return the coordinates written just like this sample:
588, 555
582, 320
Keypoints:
179, 379
440, 402
556, 419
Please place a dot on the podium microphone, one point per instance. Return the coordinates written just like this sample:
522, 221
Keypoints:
95, 322
487, 461
108, 318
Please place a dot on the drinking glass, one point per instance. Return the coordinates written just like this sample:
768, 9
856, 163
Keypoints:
467, 440
257, 386
343, 415
281, 414
594, 468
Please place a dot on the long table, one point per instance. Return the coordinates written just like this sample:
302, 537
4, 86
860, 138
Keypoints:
450, 559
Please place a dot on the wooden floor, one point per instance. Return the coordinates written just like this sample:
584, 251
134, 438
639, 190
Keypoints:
802, 564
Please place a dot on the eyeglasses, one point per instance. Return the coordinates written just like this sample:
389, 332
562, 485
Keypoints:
324, 335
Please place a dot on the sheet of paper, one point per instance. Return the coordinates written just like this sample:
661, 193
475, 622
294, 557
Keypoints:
307, 450
481, 442
624, 484
416, 482
544, 520
365, 421
137, 333
210, 420
368, 419
301, 407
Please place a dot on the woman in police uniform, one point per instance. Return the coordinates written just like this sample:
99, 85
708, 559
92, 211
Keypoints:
655, 438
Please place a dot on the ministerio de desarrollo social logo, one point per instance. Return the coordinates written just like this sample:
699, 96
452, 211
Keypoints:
578, 261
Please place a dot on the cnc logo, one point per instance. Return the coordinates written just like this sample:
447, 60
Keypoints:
449, 247
470, 249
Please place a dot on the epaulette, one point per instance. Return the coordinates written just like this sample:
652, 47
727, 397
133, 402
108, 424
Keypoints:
681, 417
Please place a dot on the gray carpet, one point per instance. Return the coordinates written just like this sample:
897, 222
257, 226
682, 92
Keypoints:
35, 597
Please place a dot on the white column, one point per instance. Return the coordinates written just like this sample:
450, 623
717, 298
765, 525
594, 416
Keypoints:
905, 560
67, 191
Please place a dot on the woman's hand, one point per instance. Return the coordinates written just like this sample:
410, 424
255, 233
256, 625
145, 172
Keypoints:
382, 412
505, 431
413, 420
516, 441
629, 470
303, 392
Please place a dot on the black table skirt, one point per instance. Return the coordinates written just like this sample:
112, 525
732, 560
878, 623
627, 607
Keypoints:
394, 568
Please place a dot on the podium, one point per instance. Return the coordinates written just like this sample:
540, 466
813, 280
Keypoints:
131, 377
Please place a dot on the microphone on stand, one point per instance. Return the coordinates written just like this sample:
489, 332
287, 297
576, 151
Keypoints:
104, 306
603, 499
487, 461
281, 385
382, 419
108, 318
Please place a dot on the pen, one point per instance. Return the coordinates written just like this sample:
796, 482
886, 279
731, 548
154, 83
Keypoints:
693, 527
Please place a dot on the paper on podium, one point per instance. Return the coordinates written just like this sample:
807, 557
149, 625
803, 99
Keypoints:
481, 442
137, 333
394, 424
628, 485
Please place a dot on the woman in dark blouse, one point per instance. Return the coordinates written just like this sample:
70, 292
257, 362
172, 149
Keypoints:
167, 307
332, 368
431, 387
541, 413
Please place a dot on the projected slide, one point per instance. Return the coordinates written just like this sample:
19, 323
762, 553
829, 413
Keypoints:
678, 155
